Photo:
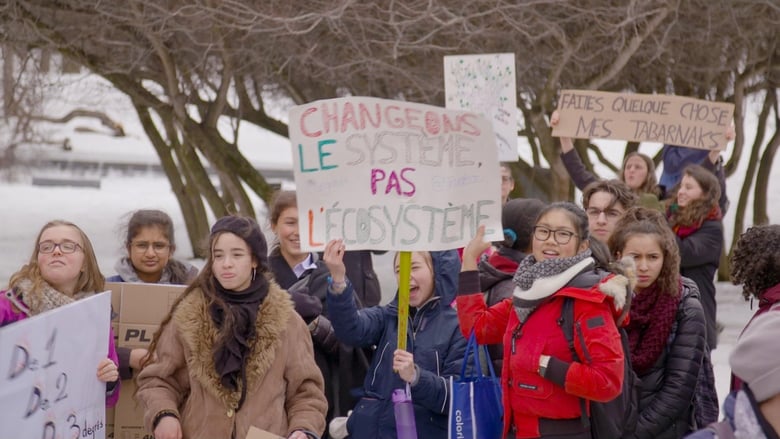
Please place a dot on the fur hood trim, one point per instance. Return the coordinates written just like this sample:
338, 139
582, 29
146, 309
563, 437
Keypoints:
620, 287
199, 334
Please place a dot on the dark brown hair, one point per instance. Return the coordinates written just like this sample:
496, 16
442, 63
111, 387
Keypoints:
619, 190
143, 218
697, 210
579, 220
650, 184
206, 284
644, 221
755, 260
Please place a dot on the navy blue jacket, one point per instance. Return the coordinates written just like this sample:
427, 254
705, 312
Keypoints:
434, 339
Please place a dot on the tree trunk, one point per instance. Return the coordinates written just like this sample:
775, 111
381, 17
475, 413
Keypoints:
191, 207
739, 219
9, 81
762, 180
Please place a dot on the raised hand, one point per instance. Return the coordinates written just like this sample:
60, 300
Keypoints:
474, 249
334, 260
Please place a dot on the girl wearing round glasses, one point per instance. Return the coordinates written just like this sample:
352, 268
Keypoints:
61, 270
543, 384
150, 244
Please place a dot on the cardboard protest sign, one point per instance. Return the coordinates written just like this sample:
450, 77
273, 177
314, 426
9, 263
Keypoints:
391, 175
48, 383
485, 85
139, 308
673, 120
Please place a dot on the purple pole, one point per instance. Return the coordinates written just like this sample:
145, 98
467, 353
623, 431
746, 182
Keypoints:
404, 414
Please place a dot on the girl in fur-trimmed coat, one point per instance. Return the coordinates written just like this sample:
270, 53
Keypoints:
233, 353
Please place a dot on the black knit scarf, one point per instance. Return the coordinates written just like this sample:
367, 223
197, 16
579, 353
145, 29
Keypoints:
231, 355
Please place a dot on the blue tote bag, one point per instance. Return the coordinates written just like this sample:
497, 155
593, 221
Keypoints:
475, 399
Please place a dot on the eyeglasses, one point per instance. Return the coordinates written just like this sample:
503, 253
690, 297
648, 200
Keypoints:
611, 214
66, 247
561, 236
143, 247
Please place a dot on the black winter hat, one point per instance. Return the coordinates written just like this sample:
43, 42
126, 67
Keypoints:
247, 229
518, 217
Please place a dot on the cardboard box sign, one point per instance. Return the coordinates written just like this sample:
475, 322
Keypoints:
256, 433
110, 423
135, 335
129, 416
147, 303
138, 310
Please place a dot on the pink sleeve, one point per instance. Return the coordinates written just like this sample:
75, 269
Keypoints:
112, 396
8, 314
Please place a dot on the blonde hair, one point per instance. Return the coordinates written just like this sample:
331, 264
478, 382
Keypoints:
90, 278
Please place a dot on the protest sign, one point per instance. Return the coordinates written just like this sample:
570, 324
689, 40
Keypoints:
673, 120
48, 364
391, 175
485, 85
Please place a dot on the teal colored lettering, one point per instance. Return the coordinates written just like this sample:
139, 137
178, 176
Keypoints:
300, 159
324, 154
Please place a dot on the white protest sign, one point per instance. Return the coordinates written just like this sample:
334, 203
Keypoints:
485, 85
391, 175
48, 372
673, 120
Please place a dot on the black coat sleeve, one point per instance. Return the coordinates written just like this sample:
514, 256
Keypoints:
681, 371
703, 246
577, 171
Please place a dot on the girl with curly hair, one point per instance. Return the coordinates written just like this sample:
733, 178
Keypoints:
755, 264
666, 329
695, 217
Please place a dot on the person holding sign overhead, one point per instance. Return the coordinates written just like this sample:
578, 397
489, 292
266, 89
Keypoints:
232, 353
436, 346
62, 269
637, 171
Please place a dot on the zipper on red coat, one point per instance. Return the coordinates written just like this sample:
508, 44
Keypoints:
516, 333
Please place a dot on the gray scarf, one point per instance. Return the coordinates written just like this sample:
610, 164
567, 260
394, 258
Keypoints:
537, 281
44, 299
124, 268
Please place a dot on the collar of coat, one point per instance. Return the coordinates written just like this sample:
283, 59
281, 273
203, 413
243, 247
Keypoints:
199, 333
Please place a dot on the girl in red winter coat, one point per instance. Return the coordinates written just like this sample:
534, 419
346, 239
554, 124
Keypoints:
542, 384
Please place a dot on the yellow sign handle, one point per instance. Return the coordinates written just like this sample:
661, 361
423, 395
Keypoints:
404, 273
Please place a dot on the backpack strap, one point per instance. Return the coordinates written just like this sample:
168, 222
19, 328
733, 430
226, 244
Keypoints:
566, 322
722, 429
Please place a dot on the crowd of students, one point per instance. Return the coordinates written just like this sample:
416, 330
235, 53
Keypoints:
296, 343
